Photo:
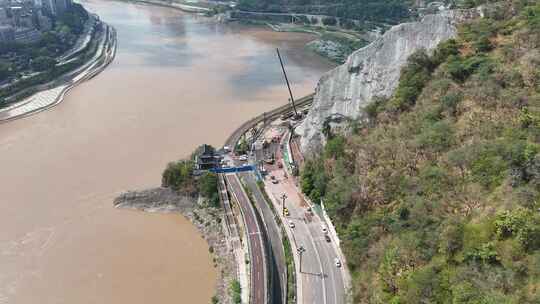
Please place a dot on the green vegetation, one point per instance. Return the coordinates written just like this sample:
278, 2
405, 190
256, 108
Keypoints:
436, 197
208, 187
181, 176
236, 292
291, 273
242, 147
343, 43
53, 43
37, 61
365, 10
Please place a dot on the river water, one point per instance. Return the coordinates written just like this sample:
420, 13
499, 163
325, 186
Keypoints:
178, 80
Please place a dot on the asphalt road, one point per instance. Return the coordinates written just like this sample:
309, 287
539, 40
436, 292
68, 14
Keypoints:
255, 239
322, 280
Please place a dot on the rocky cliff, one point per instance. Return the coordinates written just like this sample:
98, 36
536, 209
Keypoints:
373, 71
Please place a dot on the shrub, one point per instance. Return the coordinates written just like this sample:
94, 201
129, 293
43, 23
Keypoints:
43, 63
436, 137
335, 147
375, 107
329, 21
423, 285
179, 175
208, 187
532, 15
523, 224
483, 44
313, 180
460, 69
445, 50
434, 179
413, 78
451, 240
348, 24
450, 102
236, 292
485, 254
489, 170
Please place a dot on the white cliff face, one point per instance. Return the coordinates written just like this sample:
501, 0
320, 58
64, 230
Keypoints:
373, 71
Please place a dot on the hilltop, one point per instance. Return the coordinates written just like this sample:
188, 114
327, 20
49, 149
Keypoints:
434, 190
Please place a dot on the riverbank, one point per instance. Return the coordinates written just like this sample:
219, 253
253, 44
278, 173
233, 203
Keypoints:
48, 95
335, 40
208, 221
332, 42
179, 5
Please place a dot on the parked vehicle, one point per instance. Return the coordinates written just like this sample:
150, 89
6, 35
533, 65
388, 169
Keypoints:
327, 238
337, 262
291, 224
243, 157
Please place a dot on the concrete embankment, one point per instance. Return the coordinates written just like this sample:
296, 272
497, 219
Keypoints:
51, 94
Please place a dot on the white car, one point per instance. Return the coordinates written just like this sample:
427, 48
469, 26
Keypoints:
243, 157
291, 224
337, 262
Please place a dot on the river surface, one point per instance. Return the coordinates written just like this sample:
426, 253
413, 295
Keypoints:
178, 80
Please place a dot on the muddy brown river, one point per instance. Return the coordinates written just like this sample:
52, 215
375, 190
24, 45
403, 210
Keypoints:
178, 80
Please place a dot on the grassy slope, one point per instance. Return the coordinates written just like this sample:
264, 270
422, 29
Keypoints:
436, 198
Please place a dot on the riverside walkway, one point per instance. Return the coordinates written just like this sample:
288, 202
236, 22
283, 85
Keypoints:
52, 93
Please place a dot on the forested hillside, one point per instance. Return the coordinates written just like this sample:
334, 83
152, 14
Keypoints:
366, 10
378, 11
436, 193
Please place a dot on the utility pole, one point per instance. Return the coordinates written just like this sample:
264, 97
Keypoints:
283, 197
287, 81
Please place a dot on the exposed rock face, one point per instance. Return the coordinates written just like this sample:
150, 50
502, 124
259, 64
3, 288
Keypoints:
155, 200
374, 71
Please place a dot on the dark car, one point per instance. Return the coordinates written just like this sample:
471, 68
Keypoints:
327, 238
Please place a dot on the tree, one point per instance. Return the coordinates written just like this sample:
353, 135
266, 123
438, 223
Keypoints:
179, 176
5, 71
208, 187
43, 63
236, 292
451, 238
413, 78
